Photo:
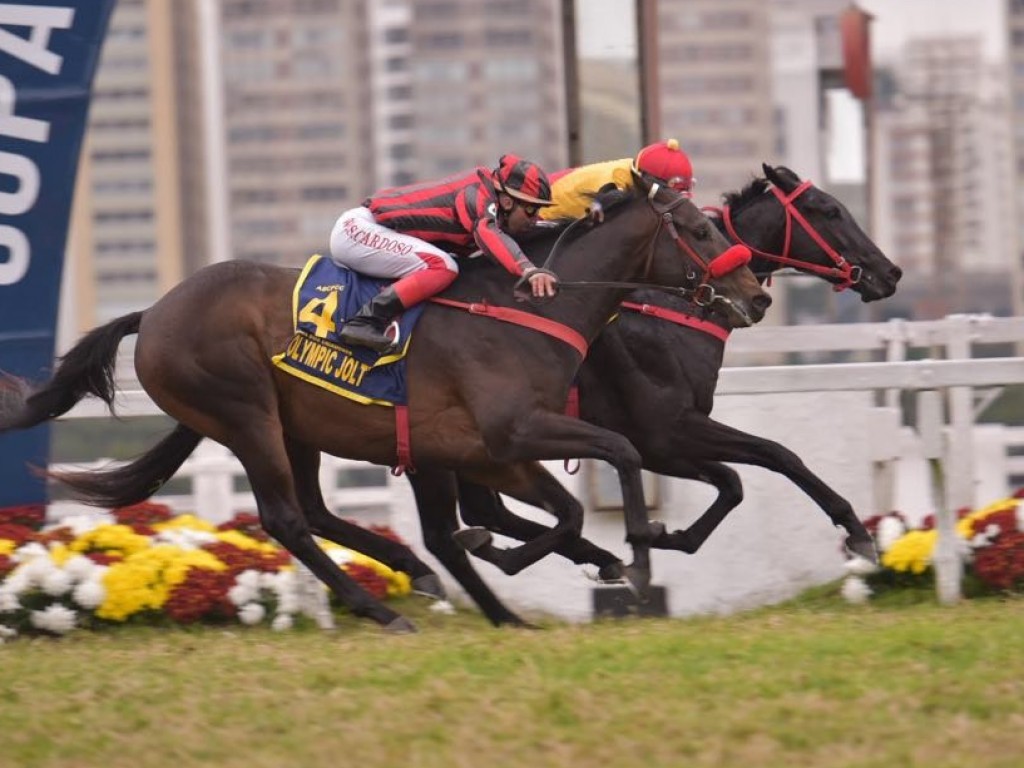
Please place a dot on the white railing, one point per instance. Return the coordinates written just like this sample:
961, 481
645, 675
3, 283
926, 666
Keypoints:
947, 382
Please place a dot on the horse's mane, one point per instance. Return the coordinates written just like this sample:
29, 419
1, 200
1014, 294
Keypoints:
737, 201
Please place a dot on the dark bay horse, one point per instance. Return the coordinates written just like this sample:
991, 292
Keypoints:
486, 398
654, 381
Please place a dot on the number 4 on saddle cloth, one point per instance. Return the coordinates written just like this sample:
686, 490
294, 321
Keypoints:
325, 296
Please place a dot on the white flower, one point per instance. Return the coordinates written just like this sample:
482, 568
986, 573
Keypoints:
80, 568
36, 570
240, 594
8, 600
90, 594
890, 528
26, 553
55, 618
859, 566
443, 606
855, 590
82, 524
56, 582
992, 530
249, 578
1020, 517
282, 622
339, 556
17, 582
7, 632
251, 613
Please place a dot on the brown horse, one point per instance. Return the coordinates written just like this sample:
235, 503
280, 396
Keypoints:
485, 398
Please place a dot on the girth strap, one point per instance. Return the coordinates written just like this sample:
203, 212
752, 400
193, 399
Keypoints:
679, 318
525, 319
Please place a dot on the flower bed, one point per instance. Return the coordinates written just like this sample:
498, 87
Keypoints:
990, 541
141, 564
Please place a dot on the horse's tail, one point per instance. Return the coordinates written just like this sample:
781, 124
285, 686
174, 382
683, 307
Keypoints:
87, 369
137, 480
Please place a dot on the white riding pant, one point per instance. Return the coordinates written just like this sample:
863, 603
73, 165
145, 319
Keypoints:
361, 244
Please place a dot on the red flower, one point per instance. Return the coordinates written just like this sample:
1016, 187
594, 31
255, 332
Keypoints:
368, 579
6, 565
247, 523
202, 595
143, 513
1001, 563
29, 515
17, 533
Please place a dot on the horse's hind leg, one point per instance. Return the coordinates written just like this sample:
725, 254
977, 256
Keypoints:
530, 482
305, 463
435, 501
483, 507
262, 452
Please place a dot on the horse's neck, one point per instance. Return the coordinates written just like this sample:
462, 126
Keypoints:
757, 236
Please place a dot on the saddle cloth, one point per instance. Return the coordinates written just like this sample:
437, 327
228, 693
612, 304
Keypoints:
325, 296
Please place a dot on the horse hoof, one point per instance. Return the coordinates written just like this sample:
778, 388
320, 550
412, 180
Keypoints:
637, 580
657, 529
429, 586
401, 626
613, 573
863, 548
472, 539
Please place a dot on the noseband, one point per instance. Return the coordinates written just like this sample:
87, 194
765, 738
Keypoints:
847, 274
702, 294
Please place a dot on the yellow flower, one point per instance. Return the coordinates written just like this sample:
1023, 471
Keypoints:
60, 553
967, 524
6, 546
116, 538
144, 580
912, 552
240, 540
187, 521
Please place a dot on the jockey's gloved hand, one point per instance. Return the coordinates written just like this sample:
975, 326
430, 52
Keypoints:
542, 282
595, 212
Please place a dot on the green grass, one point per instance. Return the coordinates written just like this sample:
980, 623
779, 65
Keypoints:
812, 683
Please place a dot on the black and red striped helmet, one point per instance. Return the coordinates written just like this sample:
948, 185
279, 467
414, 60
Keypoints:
522, 180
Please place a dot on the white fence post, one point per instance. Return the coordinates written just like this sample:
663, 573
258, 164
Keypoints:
946, 560
212, 482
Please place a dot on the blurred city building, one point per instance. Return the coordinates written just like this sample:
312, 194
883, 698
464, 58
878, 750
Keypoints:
945, 203
241, 128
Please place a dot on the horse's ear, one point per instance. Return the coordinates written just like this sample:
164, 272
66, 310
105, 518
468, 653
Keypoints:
781, 177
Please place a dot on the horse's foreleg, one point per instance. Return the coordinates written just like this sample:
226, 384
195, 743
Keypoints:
546, 435
709, 440
435, 501
305, 463
483, 507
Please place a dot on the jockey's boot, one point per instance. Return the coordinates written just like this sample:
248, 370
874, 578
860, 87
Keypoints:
366, 328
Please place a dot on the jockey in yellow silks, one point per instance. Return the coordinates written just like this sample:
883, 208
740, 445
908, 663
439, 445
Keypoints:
572, 189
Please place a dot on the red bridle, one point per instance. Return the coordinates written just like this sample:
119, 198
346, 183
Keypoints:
848, 274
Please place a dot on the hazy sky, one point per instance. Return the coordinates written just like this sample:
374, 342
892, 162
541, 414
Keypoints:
897, 20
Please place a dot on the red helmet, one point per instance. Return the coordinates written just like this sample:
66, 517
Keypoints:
666, 163
522, 180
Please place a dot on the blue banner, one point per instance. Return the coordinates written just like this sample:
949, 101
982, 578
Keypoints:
49, 50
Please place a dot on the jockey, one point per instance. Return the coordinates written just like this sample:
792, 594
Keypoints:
407, 232
573, 189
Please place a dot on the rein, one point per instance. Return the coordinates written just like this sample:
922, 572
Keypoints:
703, 295
847, 274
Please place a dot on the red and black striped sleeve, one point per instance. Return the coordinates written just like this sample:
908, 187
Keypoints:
477, 210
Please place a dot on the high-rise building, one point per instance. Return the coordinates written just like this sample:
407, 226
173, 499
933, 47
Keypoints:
125, 246
715, 88
945, 153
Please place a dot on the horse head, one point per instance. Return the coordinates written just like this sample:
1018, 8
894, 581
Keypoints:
815, 233
673, 245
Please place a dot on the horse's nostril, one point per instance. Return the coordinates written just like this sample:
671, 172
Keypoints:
895, 273
762, 302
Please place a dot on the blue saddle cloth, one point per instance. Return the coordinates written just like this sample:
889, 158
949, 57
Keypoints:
325, 296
